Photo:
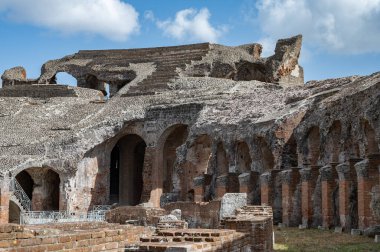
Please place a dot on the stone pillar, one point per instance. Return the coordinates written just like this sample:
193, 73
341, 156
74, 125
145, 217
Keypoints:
39, 188
328, 185
368, 177
148, 178
309, 177
345, 184
290, 179
221, 185
199, 188
4, 199
266, 184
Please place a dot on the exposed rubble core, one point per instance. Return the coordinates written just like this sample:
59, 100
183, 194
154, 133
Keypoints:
185, 125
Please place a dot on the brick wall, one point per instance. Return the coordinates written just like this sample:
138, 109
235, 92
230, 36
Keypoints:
69, 237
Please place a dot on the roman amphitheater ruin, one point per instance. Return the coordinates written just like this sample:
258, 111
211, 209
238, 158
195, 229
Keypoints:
184, 148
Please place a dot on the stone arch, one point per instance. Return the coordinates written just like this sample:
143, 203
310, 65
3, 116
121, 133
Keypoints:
64, 78
313, 145
371, 144
197, 163
243, 159
176, 136
42, 185
126, 170
221, 160
333, 142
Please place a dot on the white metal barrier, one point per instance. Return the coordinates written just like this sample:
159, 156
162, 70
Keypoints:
42, 217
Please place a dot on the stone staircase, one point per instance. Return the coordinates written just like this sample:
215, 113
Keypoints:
166, 59
19, 197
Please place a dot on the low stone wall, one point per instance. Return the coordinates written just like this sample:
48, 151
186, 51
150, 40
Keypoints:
136, 214
70, 237
198, 214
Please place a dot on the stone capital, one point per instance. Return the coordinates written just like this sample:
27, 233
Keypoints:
222, 180
362, 169
306, 174
344, 172
199, 181
286, 176
265, 178
244, 178
326, 173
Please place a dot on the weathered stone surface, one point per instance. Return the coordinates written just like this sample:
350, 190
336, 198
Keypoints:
231, 202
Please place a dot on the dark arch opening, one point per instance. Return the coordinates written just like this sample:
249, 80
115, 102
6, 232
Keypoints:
126, 172
333, 141
176, 138
26, 182
41, 185
372, 146
267, 157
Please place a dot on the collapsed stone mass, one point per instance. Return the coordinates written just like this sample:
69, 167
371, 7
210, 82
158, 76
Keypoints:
178, 126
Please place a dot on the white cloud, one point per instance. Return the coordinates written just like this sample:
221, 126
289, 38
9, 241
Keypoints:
347, 26
191, 25
112, 19
149, 15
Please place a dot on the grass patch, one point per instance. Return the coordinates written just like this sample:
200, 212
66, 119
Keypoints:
294, 239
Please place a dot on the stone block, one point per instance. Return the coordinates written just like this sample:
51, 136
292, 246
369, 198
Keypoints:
230, 202
377, 238
356, 231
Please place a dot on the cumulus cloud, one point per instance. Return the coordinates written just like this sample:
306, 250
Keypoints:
192, 25
347, 26
112, 19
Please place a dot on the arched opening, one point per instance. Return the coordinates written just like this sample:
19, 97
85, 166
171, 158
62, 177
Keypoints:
41, 185
372, 146
175, 139
26, 182
289, 154
64, 79
313, 146
243, 158
333, 142
126, 171
92, 82
14, 213
221, 160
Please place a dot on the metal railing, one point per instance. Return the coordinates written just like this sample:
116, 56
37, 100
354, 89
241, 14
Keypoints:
43, 217
19, 194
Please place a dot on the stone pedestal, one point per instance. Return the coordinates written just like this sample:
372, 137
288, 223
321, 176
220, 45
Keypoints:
290, 179
4, 200
328, 175
368, 177
221, 185
309, 177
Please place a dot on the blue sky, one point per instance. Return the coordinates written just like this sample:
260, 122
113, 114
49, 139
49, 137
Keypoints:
341, 37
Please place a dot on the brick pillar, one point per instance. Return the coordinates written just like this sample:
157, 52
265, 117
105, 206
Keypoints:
245, 183
199, 188
39, 188
328, 175
221, 185
266, 184
290, 179
4, 200
345, 184
368, 177
308, 180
